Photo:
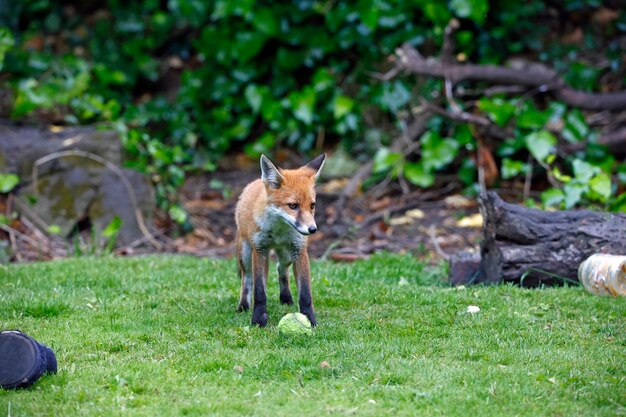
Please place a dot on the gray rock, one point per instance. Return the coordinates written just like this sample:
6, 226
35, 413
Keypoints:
75, 188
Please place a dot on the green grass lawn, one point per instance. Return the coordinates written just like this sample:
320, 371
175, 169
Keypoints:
160, 336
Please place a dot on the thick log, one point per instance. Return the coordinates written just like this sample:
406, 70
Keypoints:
534, 247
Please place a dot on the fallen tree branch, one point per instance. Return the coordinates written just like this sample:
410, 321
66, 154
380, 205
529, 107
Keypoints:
464, 117
540, 77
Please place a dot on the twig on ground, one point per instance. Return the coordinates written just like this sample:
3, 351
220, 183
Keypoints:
14, 248
528, 178
432, 233
464, 117
139, 241
12, 240
25, 238
404, 186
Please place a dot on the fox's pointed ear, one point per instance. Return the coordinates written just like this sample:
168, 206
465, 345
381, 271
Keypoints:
317, 164
270, 174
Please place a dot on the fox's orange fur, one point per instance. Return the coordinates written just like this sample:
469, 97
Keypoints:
276, 213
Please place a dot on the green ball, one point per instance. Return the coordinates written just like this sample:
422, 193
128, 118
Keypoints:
294, 324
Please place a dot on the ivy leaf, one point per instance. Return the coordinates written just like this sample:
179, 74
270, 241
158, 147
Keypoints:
254, 97
467, 173
559, 176
395, 95
6, 43
54, 229
583, 171
323, 79
178, 214
266, 21
540, 144
8, 182
498, 110
437, 12
384, 160
619, 203
247, 45
418, 175
573, 193
475, 10
552, 197
303, 104
437, 152
581, 76
576, 128
262, 145
368, 13
342, 105
621, 173
113, 228
512, 168
532, 118
601, 185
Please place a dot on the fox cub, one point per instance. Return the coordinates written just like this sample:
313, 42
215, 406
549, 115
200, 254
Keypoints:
276, 212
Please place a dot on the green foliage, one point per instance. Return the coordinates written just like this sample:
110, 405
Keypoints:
512, 168
8, 182
6, 43
54, 229
498, 110
595, 173
111, 232
588, 181
436, 154
185, 81
540, 144
475, 10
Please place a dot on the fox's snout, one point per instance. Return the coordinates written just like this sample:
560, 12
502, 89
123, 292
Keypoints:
306, 229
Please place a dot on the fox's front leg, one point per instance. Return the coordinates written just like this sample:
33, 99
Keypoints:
303, 279
260, 264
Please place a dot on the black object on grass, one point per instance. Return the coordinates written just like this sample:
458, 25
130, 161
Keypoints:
23, 360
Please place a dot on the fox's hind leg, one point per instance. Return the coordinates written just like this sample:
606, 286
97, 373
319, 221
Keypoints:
260, 262
284, 261
244, 258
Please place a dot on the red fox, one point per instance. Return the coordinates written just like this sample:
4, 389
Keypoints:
276, 212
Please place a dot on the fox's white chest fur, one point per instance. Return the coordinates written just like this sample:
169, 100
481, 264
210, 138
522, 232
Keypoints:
276, 232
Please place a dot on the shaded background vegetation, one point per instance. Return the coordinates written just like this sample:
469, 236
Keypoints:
186, 82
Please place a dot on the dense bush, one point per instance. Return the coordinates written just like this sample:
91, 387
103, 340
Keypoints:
184, 81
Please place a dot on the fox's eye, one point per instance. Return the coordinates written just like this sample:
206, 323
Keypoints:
293, 206
312, 205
